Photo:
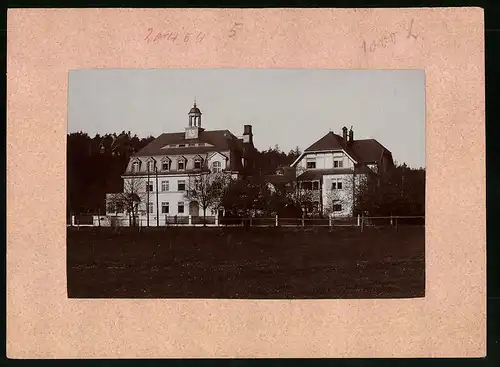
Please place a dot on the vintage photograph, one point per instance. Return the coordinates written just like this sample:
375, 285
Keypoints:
246, 183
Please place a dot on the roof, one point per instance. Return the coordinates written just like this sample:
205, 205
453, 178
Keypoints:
220, 140
167, 173
368, 150
195, 109
363, 151
330, 141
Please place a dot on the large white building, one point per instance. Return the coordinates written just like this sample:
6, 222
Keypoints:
332, 167
159, 174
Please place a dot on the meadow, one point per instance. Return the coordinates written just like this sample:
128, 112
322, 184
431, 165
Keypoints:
242, 263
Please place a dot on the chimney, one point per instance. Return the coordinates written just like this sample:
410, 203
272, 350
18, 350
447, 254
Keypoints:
344, 134
247, 134
351, 136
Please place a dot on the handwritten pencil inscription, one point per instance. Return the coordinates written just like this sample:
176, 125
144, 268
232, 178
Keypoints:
391, 38
177, 38
233, 31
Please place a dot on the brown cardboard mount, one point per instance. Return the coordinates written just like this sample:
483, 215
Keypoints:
44, 44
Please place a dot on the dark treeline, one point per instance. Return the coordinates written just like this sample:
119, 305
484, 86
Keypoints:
401, 192
95, 165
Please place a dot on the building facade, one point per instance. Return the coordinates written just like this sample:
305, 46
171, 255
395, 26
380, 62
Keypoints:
329, 171
157, 177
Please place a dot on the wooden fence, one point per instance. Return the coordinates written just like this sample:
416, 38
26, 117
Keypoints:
212, 221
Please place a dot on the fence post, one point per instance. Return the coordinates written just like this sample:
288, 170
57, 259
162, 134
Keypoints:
358, 221
303, 221
391, 220
362, 223
250, 220
217, 220
190, 220
78, 223
330, 222
276, 220
73, 224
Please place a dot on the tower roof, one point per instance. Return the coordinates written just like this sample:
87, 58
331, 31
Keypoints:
195, 109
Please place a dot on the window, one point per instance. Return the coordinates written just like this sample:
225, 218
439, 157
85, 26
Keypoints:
165, 166
338, 163
216, 166
337, 184
315, 185
150, 207
164, 186
135, 167
182, 145
151, 166
119, 207
307, 185
197, 163
310, 164
315, 206
149, 186
180, 165
111, 208
164, 208
181, 185
197, 183
337, 207
180, 207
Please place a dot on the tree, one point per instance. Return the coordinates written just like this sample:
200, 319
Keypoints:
302, 197
95, 166
130, 199
401, 191
246, 197
207, 189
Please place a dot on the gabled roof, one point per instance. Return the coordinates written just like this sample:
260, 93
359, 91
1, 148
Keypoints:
368, 150
330, 141
363, 151
220, 140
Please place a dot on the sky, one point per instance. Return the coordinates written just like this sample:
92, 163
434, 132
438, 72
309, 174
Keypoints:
286, 107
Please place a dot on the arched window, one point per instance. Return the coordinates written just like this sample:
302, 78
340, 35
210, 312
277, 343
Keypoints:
135, 167
216, 166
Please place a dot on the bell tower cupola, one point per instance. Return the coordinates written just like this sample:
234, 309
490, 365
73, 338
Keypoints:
194, 128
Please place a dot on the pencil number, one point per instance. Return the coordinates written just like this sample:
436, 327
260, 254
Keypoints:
174, 37
234, 29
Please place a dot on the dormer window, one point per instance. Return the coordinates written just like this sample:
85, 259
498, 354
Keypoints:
198, 162
165, 164
135, 167
181, 164
151, 166
216, 167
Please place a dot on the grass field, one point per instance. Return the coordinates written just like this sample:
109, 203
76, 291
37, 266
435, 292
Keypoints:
259, 263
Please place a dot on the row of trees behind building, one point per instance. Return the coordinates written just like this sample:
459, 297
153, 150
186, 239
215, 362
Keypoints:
95, 165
